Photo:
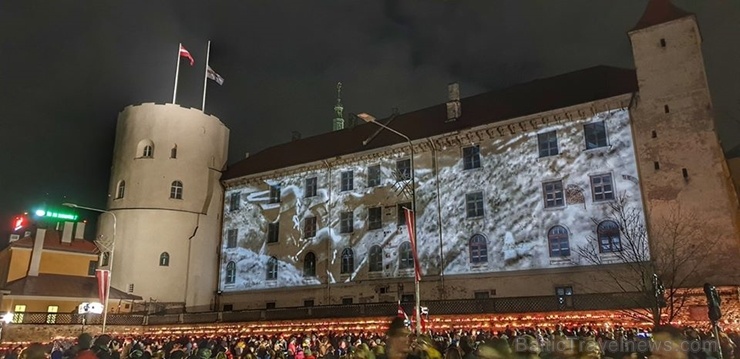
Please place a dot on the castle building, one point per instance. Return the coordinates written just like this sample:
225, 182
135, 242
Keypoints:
511, 188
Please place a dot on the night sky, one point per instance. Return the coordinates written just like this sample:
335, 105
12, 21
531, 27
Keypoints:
68, 67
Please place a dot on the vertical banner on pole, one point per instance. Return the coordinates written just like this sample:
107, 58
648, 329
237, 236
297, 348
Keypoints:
412, 237
103, 276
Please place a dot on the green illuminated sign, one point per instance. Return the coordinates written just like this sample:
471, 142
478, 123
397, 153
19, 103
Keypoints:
58, 215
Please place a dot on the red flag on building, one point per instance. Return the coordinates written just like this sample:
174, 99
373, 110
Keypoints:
412, 237
186, 54
103, 276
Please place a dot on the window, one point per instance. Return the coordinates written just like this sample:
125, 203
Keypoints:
309, 227
348, 261
666, 109
231, 273
373, 176
403, 168
311, 186
402, 213
347, 301
231, 237
173, 152
234, 201
553, 194
375, 218
309, 265
92, 267
405, 256
609, 239
565, 296
376, 259
131, 288
471, 157
557, 237
228, 307
482, 295
602, 188
662, 42
105, 259
308, 303
272, 268
548, 143
51, 314
18, 313
346, 222
275, 193
273, 232
474, 204
478, 249
164, 259
348, 181
595, 134
148, 151
176, 190
270, 305
121, 190
407, 298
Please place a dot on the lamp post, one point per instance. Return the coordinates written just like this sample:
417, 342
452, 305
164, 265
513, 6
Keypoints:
7, 318
370, 119
110, 255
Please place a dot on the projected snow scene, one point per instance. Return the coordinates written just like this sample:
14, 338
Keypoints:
510, 203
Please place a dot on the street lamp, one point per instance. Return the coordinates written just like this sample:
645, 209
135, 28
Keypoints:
371, 119
108, 249
6, 319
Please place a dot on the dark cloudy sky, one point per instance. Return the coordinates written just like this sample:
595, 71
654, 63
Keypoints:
68, 67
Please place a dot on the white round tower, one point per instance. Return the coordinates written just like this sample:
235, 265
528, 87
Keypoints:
166, 197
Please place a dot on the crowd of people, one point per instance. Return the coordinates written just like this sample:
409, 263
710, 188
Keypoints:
398, 342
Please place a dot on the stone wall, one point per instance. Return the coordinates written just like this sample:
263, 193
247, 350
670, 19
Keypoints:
13, 333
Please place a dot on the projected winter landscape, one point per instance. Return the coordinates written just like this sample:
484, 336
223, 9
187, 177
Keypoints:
512, 203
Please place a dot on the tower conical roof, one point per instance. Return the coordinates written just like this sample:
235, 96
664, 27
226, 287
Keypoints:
658, 12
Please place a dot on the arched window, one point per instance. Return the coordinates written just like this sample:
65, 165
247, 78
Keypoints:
231, 273
348, 261
557, 237
405, 256
148, 151
121, 190
164, 259
609, 239
309, 265
478, 249
272, 268
173, 152
176, 190
376, 259
145, 149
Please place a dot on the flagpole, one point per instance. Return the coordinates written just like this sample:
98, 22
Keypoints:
177, 72
205, 77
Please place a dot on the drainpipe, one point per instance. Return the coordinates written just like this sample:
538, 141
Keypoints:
435, 169
327, 294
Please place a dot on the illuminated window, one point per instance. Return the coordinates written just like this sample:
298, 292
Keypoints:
478, 249
309, 227
374, 218
595, 135
275, 193
273, 232
557, 237
602, 187
18, 313
164, 259
309, 265
348, 181
565, 296
272, 268
346, 222
230, 273
474, 204
176, 190
311, 187
348, 261
376, 259
553, 192
173, 152
231, 237
471, 157
51, 314
373, 176
148, 151
548, 143
235, 200
121, 190
105, 259
403, 168
405, 256
402, 213
609, 238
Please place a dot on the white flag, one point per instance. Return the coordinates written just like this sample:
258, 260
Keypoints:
214, 76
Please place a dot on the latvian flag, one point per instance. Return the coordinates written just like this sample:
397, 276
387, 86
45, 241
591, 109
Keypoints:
412, 237
103, 276
186, 54
214, 76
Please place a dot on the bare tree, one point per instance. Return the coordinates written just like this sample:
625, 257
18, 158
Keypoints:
655, 272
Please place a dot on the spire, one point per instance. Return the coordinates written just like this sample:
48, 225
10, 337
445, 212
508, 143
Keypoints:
659, 12
338, 123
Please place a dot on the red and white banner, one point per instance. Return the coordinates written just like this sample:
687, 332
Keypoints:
412, 237
401, 313
103, 276
186, 54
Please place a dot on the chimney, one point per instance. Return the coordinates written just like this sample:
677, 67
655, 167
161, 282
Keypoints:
454, 110
80, 230
38, 247
67, 232
246, 155
13, 238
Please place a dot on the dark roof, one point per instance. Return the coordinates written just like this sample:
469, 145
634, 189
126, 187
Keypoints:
733, 152
520, 100
57, 285
659, 12
53, 241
